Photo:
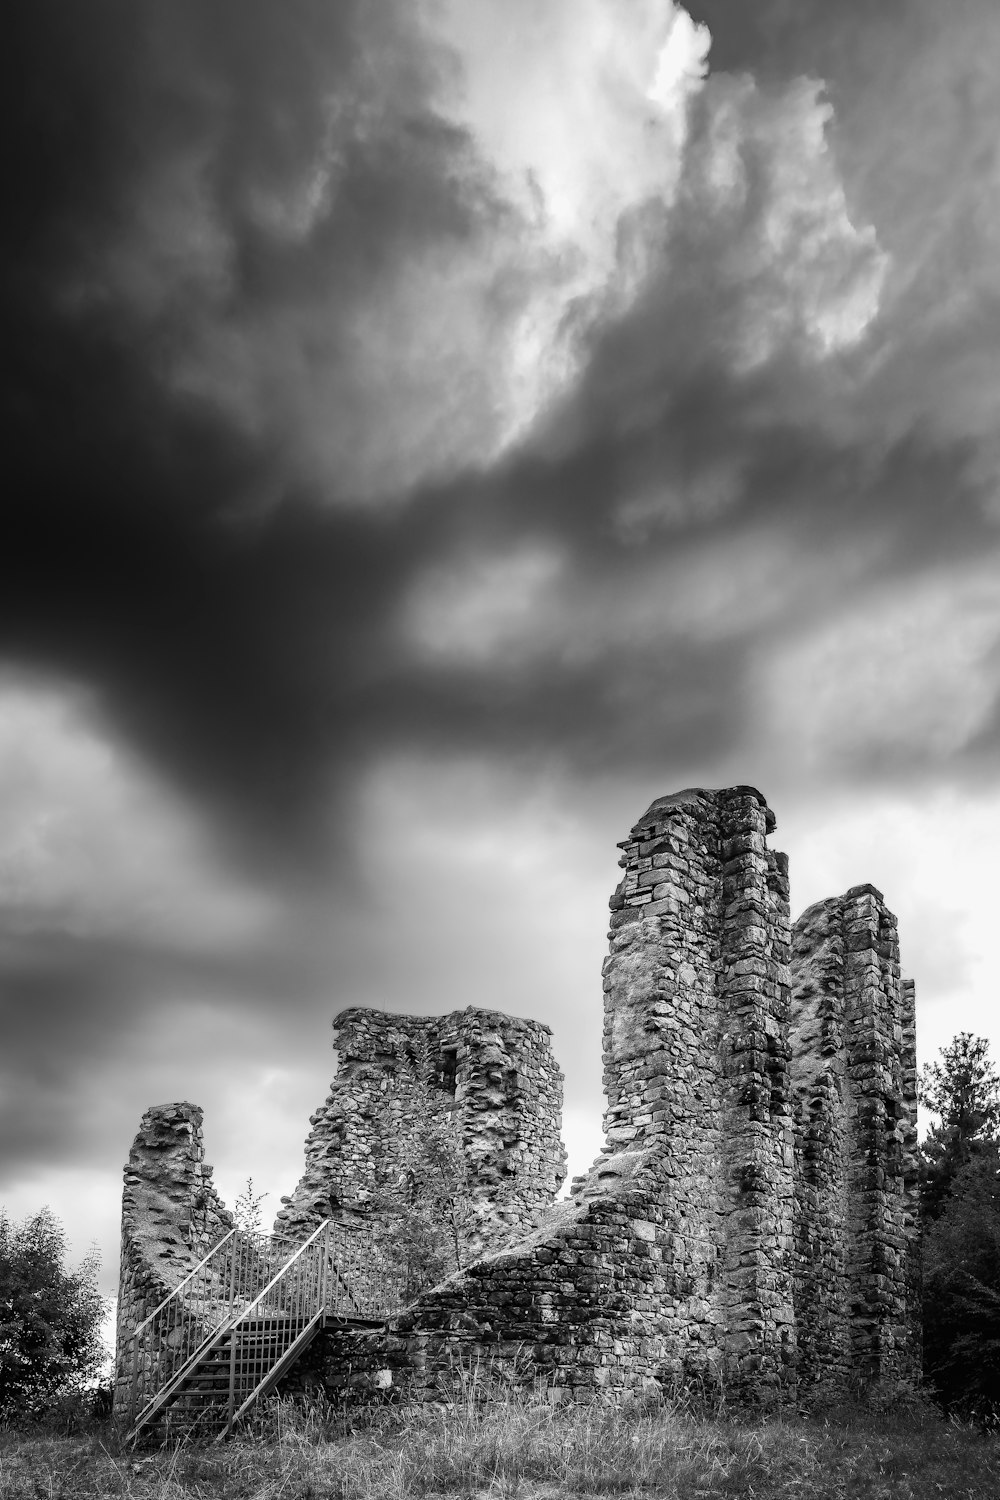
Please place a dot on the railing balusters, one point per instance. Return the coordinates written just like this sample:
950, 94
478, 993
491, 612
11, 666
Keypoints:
267, 1292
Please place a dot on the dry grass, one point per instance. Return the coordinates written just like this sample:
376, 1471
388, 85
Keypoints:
527, 1452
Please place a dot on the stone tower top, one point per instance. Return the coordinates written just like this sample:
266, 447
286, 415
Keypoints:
661, 809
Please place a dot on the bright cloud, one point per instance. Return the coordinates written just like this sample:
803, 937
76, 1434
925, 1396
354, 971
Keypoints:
412, 367
581, 106
912, 677
806, 269
931, 855
597, 130
525, 166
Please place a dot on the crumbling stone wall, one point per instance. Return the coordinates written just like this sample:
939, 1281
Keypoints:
854, 1072
707, 1239
494, 1074
171, 1217
673, 1259
752, 1218
911, 1174
696, 1073
505, 1093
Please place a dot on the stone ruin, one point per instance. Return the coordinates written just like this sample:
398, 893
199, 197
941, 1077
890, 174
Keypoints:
494, 1074
171, 1217
751, 1222
501, 1087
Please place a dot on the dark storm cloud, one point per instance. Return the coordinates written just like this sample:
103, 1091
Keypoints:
713, 419
63, 1000
175, 549
155, 545
778, 36
263, 504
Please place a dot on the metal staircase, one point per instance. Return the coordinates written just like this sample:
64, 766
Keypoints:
238, 1322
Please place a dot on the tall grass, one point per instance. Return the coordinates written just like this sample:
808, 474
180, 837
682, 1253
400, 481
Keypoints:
526, 1451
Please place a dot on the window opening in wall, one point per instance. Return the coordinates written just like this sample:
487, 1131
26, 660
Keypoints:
510, 1083
446, 1072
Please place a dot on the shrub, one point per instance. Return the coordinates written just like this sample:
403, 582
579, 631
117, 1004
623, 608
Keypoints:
50, 1317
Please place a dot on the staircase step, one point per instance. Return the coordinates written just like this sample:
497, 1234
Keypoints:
246, 1356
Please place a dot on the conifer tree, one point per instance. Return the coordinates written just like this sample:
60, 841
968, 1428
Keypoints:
961, 1245
963, 1090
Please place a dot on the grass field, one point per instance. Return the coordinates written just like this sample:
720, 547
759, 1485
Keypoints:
531, 1452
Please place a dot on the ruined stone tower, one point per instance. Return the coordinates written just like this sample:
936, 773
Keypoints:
171, 1216
697, 1069
853, 1039
752, 1217
497, 1078
773, 1076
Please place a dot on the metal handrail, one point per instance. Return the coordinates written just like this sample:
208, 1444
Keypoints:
249, 1376
247, 1311
185, 1321
181, 1284
270, 1239
330, 1275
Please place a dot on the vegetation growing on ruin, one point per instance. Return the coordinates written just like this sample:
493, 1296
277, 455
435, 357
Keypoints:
432, 1217
527, 1452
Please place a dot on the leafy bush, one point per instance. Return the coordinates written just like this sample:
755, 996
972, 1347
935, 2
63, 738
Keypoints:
50, 1340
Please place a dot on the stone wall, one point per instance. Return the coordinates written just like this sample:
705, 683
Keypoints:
673, 1259
854, 1073
911, 1175
495, 1076
171, 1218
752, 1219
696, 1071
739, 1206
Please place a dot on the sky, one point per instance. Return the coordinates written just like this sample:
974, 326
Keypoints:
433, 429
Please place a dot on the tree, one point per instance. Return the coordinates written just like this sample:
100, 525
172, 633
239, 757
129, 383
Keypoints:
962, 1291
961, 1228
963, 1089
426, 1205
431, 1218
50, 1317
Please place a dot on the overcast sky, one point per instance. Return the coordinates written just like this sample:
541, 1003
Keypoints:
434, 429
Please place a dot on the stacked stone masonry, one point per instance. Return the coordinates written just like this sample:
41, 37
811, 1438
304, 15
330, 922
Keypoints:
726, 1231
751, 1220
494, 1074
499, 1083
854, 1077
171, 1217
